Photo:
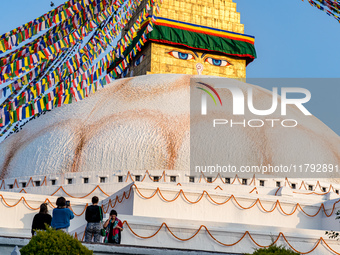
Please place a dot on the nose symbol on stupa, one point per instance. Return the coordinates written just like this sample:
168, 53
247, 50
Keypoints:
199, 68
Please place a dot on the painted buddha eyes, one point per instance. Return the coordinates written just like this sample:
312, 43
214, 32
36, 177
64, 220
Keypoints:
189, 56
181, 55
217, 62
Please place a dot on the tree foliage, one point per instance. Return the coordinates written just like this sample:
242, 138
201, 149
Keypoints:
54, 242
275, 250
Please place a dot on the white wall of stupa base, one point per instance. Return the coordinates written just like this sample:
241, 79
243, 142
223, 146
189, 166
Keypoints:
18, 209
222, 237
227, 210
115, 180
130, 125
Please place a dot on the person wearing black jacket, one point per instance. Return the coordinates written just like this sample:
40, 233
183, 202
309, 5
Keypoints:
93, 216
40, 219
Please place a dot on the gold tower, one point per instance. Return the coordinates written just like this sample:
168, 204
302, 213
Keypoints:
160, 57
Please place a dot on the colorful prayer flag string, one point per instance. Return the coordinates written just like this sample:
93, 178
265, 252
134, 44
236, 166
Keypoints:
330, 7
49, 73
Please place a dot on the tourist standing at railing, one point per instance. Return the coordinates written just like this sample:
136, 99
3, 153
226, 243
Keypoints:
113, 228
41, 218
62, 215
93, 216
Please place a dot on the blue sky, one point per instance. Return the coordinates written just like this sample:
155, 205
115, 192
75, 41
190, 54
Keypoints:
292, 40
295, 40
18, 12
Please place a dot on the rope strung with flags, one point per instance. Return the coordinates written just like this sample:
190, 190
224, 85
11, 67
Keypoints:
330, 7
55, 69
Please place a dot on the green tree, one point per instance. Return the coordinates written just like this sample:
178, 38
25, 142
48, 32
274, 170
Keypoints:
54, 242
274, 250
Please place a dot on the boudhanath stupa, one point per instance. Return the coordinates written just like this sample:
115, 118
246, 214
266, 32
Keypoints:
129, 144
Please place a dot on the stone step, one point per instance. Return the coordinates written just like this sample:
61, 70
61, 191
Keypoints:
7, 245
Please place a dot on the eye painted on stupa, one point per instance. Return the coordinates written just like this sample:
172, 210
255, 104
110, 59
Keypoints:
217, 62
139, 60
181, 55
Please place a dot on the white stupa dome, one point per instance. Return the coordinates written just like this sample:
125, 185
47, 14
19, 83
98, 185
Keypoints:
143, 123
